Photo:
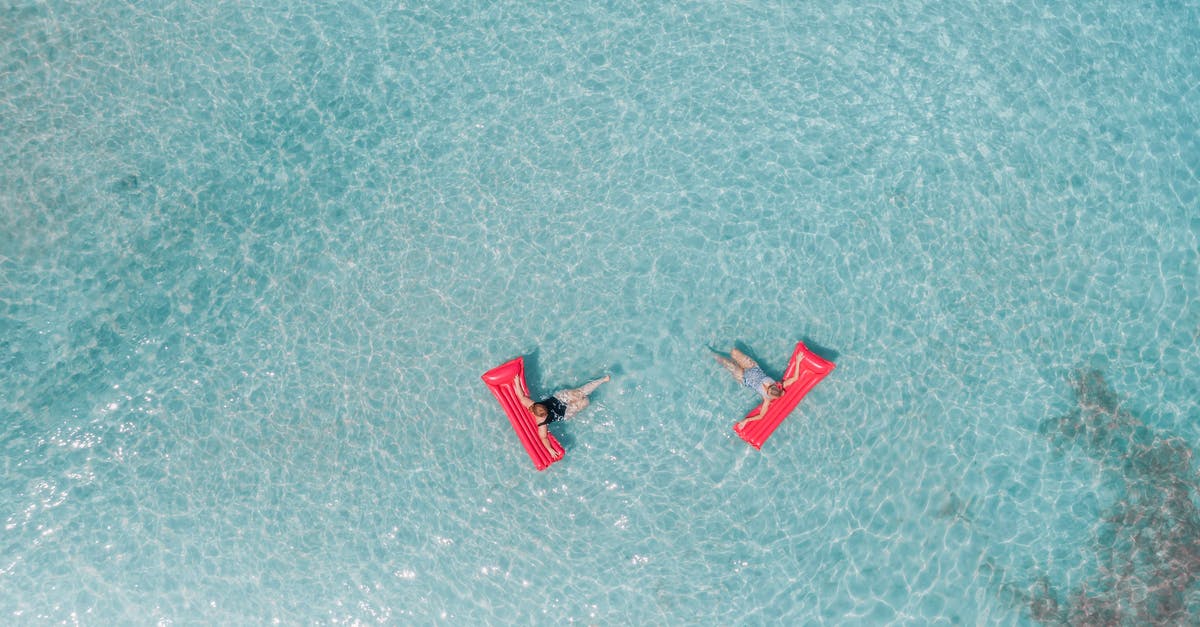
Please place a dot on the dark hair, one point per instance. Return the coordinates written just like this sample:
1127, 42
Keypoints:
539, 410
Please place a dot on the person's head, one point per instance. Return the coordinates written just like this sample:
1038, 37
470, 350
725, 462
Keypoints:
539, 410
774, 391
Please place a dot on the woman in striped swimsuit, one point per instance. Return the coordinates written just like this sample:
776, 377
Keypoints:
750, 375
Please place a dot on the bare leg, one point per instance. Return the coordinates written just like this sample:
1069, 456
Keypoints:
742, 359
577, 399
591, 387
734, 369
576, 405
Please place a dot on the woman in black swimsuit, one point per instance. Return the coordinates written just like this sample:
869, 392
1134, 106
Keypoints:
562, 405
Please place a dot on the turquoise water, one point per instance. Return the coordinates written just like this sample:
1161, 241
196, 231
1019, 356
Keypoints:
253, 261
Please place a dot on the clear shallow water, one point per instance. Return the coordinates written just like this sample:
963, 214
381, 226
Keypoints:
253, 262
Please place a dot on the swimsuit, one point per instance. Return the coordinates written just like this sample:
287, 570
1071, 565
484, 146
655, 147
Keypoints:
556, 408
754, 378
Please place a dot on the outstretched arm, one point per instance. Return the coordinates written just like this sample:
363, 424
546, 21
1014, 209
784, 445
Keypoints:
795, 372
762, 412
520, 391
543, 434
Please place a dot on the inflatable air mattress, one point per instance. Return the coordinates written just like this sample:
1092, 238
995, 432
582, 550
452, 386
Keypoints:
500, 381
811, 369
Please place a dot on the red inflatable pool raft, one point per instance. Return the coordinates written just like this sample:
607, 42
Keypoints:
811, 369
500, 381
